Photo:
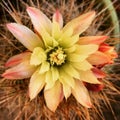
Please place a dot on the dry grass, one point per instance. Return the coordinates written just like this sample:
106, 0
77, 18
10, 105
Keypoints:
14, 99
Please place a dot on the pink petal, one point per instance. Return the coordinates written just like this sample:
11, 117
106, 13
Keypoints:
37, 83
58, 18
29, 39
53, 96
98, 58
17, 59
39, 20
21, 71
92, 40
81, 94
81, 23
98, 73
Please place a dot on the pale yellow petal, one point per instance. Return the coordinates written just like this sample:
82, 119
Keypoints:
49, 80
56, 32
53, 96
88, 76
73, 57
66, 34
70, 49
45, 66
86, 49
81, 94
36, 84
69, 41
67, 78
38, 56
48, 39
66, 88
55, 73
70, 70
81, 23
85, 65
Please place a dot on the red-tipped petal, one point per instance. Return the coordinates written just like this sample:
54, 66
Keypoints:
94, 87
39, 19
92, 40
21, 71
58, 18
28, 38
105, 47
98, 73
108, 50
17, 59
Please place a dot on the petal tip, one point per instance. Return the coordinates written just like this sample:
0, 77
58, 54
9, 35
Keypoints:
29, 8
3, 75
7, 64
93, 13
30, 96
106, 37
89, 105
12, 26
7, 75
9, 25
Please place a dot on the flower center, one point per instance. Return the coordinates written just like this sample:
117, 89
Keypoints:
56, 56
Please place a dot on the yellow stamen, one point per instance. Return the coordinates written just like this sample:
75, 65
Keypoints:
57, 57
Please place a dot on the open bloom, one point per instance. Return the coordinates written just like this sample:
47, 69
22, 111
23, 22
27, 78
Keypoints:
58, 60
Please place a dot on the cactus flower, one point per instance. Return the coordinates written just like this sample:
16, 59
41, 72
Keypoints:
58, 60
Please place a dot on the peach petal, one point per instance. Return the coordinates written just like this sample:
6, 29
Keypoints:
88, 76
20, 71
53, 96
37, 83
98, 73
66, 88
92, 40
39, 20
81, 23
58, 18
86, 49
15, 60
98, 58
81, 94
28, 38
